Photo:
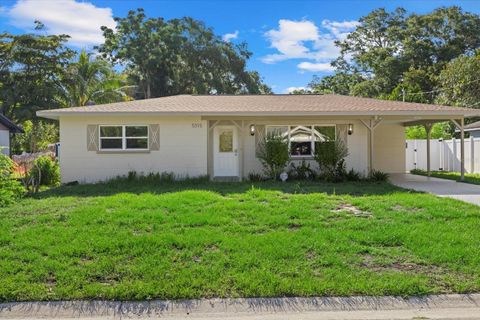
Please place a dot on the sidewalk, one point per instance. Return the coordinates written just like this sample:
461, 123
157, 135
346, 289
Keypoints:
454, 306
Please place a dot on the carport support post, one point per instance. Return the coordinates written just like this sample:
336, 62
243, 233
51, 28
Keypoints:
428, 129
462, 150
461, 126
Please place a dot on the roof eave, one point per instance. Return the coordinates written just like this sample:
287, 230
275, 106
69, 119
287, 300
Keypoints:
448, 114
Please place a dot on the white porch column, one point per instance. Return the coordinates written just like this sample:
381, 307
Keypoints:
371, 125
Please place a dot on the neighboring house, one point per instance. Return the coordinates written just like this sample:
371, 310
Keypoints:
473, 129
7, 128
218, 135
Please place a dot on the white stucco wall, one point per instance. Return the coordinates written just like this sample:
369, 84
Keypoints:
357, 145
183, 149
4, 139
389, 155
389, 148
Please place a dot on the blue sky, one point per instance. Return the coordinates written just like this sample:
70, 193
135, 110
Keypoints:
290, 40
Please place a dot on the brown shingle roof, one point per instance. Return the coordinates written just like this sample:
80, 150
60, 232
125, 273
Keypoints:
263, 105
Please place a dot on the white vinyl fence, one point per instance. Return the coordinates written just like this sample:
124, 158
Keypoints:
444, 155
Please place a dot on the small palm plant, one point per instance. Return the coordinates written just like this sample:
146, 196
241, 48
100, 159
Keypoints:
93, 80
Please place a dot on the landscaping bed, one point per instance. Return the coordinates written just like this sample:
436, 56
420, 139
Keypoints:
146, 240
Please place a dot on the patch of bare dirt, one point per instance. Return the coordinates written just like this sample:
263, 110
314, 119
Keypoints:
401, 265
441, 277
351, 209
294, 226
405, 209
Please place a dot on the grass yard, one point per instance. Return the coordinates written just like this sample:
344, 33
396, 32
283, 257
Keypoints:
473, 178
144, 240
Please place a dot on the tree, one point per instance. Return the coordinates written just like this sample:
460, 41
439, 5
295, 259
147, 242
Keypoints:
31, 69
88, 80
38, 134
387, 45
339, 83
178, 56
441, 130
459, 82
374, 48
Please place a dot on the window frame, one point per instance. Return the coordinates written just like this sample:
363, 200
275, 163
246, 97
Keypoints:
123, 137
312, 141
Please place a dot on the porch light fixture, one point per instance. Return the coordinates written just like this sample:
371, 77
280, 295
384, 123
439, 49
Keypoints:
350, 129
252, 129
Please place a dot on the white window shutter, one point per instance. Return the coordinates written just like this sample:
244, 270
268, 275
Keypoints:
154, 137
92, 137
342, 133
259, 137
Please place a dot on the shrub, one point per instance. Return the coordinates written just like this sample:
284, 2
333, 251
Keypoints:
273, 154
353, 175
302, 171
157, 178
46, 171
378, 176
10, 189
330, 158
255, 177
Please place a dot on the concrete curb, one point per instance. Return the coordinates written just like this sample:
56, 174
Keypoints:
234, 307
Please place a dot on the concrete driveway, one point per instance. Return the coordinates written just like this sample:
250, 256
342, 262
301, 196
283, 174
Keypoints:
441, 187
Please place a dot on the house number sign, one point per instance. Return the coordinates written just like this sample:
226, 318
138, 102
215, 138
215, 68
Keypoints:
196, 125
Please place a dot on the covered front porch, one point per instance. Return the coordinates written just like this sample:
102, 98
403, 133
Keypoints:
374, 142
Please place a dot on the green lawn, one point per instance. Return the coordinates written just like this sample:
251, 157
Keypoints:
144, 240
473, 178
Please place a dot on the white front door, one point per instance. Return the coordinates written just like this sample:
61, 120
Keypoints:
225, 151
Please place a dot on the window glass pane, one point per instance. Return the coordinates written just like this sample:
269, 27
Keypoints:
226, 141
301, 141
111, 131
323, 133
278, 131
110, 143
136, 131
137, 143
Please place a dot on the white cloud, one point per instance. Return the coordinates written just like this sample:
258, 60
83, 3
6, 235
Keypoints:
340, 29
315, 67
290, 39
227, 37
291, 89
80, 20
305, 40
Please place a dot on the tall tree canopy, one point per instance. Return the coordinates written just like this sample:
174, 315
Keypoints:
178, 56
390, 47
393, 55
31, 69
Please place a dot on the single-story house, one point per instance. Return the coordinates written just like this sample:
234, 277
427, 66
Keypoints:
218, 135
473, 129
7, 128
